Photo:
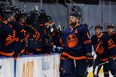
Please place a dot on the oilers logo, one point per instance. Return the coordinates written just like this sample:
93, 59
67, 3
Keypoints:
72, 41
100, 49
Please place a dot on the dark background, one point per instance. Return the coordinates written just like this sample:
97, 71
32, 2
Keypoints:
63, 1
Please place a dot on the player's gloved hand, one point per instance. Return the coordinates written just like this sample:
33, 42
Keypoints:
60, 48
57, 49
89, 59
54, 48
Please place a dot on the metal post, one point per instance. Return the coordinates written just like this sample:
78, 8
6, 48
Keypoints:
67, 12
7, 2
102, 13
17, 2
110, 12
41, 4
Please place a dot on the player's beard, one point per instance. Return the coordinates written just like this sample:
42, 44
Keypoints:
98, 34
72, 24
110, 32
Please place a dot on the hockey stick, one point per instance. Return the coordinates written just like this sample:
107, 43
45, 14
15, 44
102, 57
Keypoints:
91, 27
96, 68
86, 71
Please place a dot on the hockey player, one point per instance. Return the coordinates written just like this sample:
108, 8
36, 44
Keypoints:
105, 50
52, 33
34, 34
20, 33
8, 41
111, 32
40, 26
78, 48
17, 25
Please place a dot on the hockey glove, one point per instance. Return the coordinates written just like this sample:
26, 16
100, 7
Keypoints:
89, 59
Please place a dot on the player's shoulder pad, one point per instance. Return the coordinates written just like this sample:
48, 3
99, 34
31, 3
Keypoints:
93, 37
105, 32
63, 32
67, 29
82, 28
106, 36
15, 22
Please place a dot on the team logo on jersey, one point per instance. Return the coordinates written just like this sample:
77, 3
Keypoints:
72, 41
99, 49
